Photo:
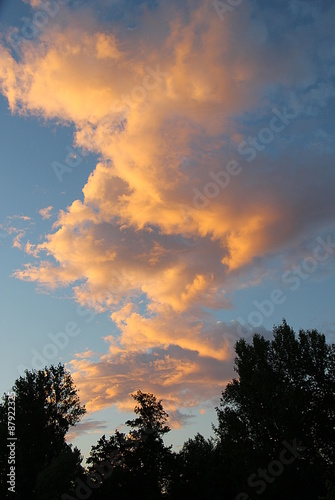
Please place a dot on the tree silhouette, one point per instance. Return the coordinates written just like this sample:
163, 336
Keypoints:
194, 474
59, 475
152, 459
151, 418
140, 461
284, 394
109, 467
46, 406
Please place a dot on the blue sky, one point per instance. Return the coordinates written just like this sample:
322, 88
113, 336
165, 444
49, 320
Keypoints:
167, 175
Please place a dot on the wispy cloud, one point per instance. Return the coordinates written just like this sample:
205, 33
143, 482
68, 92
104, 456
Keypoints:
17, 240
46, 212
88, 425
17, 226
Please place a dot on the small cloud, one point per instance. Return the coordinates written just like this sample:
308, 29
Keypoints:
179, 420
89, 426
19, 217
16, 225
46, 212
17, 240
86, 354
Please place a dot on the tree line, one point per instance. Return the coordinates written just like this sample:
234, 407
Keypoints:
274, 437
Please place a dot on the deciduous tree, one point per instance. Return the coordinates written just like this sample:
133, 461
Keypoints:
285, 392
46, 406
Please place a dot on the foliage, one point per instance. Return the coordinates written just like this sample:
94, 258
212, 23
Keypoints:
46, 406
59, 475
285, 392
140, 460
151, 418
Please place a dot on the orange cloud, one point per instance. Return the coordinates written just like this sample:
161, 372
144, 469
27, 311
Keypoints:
164, 105
179, 376
158, 107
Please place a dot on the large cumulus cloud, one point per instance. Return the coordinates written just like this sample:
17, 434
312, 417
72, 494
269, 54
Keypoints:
166, 106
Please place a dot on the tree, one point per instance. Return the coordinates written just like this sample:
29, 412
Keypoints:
136, 465
283, 399
194, 475
151, 457
108, 467
59, 476
330, 491
151, 418
46, 406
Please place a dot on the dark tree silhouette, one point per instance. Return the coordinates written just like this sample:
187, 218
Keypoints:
109, 466
151, 418
194, 474
46, 406
140, 461
109, 450
151, 457
284, 394
59, 475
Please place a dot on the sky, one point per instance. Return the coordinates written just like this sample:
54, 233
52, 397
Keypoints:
167, 188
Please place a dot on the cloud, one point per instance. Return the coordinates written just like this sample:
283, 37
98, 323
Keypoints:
178, 419
19, 217
17, 240
86, 426
86, 354
166, 107
46, 212
17, 225
179, 376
